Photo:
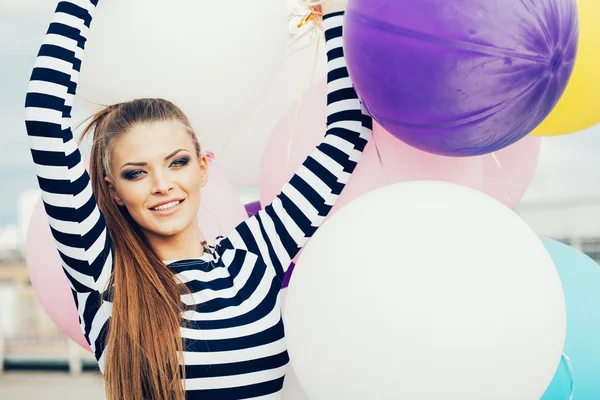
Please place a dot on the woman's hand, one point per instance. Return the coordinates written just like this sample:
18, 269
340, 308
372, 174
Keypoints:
331, 6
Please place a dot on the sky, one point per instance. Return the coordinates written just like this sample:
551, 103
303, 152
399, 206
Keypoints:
569, 166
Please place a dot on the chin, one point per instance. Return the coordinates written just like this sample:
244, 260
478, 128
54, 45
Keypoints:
171, 228
167, 226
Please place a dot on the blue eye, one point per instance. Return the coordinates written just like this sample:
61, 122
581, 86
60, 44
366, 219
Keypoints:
181, 162
131, 175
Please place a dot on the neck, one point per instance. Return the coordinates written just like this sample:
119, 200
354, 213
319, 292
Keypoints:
185, 244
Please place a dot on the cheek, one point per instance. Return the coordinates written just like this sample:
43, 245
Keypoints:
192, 181
133, 194
192, 186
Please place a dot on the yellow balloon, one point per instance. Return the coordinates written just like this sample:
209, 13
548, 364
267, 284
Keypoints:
579, 107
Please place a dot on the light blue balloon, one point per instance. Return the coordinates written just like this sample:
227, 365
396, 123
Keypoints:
580, 277
563, 385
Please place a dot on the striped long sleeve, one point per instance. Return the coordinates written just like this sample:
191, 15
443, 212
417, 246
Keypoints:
279, 231
76, 223
233, 333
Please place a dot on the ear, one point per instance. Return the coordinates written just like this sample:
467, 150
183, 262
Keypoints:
203, 165
113, 191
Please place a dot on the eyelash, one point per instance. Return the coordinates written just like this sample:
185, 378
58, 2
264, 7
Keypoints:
182, 161
179, 163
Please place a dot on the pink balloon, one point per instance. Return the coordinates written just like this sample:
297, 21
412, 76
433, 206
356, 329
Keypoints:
277, 168
220, 212
402, 163
221, 209
385, 160
47, 278
507, 176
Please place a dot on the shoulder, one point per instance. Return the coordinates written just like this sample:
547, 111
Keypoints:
224, 243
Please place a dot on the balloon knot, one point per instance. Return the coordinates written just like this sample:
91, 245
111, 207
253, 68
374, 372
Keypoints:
315, 16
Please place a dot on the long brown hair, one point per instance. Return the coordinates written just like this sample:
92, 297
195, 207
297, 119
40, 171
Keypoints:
144, 340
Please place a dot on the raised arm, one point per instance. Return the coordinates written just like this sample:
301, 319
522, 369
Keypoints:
280, 230
76, 223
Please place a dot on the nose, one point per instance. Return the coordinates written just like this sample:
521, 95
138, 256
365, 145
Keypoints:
162, 184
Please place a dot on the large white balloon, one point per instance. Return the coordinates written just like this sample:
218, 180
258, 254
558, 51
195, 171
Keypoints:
240, 155
292, 389
421, 291
213, 59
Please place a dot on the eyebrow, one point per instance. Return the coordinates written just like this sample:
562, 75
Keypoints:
141, 164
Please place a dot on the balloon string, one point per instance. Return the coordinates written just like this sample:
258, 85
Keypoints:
314, 17
571, 374
506, 185
379, 158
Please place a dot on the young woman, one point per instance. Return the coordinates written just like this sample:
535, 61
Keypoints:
166, 316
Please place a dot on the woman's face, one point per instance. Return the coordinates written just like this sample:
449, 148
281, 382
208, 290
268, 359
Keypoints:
157, 176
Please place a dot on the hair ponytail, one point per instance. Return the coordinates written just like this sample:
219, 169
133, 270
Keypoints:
144, 344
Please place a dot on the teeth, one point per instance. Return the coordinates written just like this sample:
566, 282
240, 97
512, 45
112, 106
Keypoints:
167, 206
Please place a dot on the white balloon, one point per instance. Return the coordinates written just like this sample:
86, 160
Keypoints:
292, 389
213, 59
421, 291
239, 152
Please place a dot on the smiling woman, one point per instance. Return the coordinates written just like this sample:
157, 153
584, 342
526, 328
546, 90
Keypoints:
146, 157
154, 169
207, 324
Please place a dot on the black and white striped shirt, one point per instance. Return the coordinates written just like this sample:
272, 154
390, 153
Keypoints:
234, 337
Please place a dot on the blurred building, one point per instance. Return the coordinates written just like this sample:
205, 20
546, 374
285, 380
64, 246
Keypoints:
575, 222
29, 339
10, 246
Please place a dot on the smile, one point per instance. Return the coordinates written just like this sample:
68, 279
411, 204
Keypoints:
168, 208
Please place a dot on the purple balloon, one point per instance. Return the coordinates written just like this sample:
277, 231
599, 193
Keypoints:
460, 77
253, 208
288, 276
